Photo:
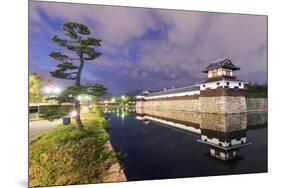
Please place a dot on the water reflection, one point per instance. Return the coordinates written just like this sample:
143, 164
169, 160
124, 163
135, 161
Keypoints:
170, 144
224, 134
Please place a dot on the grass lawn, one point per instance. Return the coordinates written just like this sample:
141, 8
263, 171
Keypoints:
65, 155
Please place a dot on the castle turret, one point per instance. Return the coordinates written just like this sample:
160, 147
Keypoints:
222, 92
222, 68
221, 74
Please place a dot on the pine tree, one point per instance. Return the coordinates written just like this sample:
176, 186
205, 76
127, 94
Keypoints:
70, 68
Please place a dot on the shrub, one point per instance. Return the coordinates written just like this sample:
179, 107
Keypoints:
51, 112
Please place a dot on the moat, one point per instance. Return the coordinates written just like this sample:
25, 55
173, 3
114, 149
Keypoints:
177, 144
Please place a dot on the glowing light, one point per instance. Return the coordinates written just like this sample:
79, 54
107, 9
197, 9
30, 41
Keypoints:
56, 90
52, 90
85, 109
47, 90
73, 113
123, 96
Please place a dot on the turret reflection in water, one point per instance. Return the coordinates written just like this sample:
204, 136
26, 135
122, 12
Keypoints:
225, 134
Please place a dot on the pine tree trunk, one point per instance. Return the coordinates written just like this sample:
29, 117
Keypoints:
77, 118
77, 102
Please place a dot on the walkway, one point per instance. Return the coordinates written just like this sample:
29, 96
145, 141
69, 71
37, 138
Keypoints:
37, 127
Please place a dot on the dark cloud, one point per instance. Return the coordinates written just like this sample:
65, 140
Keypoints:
152, 48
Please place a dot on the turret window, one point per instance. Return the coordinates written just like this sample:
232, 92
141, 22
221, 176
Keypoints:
227, 73
215, 73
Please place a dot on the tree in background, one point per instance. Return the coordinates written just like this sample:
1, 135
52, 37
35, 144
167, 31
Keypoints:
36, 84
256, 90
83, 50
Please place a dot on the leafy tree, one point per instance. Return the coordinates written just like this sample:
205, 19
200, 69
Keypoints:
83, 49
36, 84
255, 90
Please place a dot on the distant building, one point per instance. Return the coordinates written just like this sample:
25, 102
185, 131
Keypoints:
220, 93
221, 74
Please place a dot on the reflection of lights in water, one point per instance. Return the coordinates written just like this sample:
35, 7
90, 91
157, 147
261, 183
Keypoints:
146, 122
122, 116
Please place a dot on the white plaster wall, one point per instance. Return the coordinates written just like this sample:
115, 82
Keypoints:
213, 85
216, 141
189, 93
177, 125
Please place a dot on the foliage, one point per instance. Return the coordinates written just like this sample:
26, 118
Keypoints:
36, 84
52, 112
66, 155
69, 94
124, 99
256, 91
84, 49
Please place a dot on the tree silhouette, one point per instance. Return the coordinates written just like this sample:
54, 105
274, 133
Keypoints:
70, 68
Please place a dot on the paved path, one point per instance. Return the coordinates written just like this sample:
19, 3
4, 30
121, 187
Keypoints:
37, 127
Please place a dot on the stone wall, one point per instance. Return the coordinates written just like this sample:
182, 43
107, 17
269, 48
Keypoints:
255, 119
256, 104
222, 104
139, 104
185, 105
223, 123
182, 117
208, 104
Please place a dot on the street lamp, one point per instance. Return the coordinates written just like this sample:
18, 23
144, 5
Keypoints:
56, 90
47, 90
73, 113
52, 90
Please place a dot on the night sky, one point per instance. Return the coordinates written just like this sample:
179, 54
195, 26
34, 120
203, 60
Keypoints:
150, 48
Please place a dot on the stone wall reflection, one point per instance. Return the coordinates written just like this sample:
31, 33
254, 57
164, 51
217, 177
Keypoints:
224, 134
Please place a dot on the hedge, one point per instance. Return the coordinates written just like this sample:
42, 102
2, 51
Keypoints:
54, 111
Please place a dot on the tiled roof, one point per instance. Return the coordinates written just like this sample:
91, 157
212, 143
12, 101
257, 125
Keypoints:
176, 90
225, 63
222, 78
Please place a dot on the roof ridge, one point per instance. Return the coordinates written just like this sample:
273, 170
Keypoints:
175, 88
220, 60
